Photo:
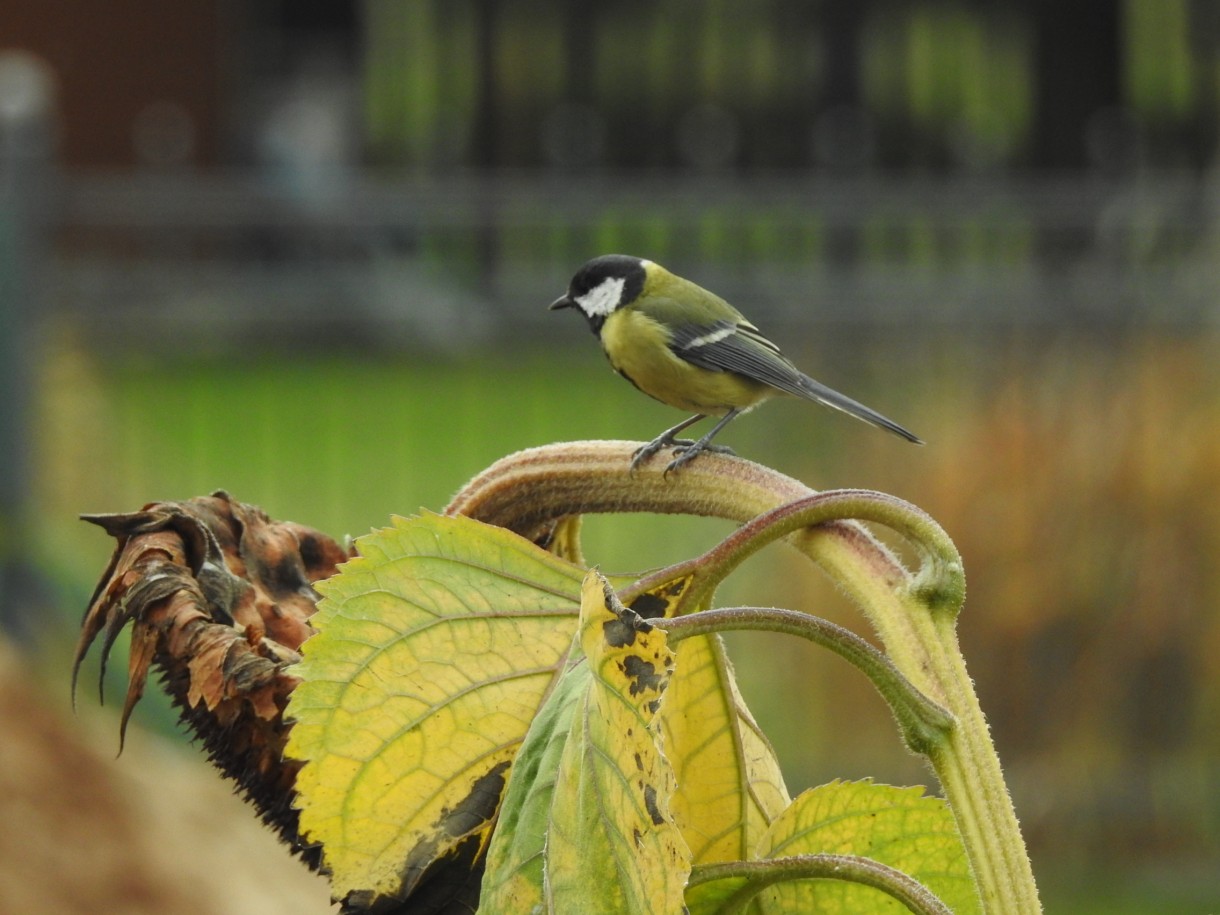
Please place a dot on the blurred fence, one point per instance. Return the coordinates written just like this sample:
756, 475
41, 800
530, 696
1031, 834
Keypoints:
457, 257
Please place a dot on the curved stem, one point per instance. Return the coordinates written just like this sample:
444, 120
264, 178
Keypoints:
923, 722
939, 582
758, 875
527, 491
914, 615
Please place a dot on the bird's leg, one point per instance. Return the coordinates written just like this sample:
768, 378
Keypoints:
664, 440
687, 452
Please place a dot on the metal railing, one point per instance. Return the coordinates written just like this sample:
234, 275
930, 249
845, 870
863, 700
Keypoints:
250, 250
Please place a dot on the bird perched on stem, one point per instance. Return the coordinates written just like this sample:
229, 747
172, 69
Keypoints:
689, 348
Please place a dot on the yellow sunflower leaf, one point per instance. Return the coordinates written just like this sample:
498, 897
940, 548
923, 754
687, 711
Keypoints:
730, 787
900, 827
434, 651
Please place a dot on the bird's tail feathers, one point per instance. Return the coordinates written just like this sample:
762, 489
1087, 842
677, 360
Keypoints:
831, 398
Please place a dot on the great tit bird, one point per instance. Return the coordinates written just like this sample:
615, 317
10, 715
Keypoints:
689, 348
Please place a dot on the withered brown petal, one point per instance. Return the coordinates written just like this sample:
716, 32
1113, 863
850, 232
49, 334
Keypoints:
218, 597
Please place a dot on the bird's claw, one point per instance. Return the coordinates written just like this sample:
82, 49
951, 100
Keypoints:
644, 452
687, 452
685, 449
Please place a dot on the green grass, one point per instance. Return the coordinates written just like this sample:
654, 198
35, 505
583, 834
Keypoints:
1093, 890
336, 443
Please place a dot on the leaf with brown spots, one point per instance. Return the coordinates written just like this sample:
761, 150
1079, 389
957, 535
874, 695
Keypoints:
586, 824
610, 821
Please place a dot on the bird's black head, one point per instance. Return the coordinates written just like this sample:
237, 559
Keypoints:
604, 285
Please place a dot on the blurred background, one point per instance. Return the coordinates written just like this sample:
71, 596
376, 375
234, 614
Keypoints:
302, 250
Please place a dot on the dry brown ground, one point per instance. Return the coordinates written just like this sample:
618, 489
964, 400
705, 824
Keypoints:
153, 831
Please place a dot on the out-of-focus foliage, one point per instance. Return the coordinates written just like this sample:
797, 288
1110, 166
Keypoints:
714, 85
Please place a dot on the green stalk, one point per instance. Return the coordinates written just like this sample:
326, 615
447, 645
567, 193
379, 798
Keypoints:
758, 875
913, 613
922, 721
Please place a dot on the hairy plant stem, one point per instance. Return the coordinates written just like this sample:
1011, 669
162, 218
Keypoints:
913, 613
923, 722
758, 875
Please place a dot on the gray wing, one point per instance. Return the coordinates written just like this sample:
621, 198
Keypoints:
727, 346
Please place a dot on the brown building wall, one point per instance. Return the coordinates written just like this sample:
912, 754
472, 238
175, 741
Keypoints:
126, 69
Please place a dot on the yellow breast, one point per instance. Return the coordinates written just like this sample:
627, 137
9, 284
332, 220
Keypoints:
638, 348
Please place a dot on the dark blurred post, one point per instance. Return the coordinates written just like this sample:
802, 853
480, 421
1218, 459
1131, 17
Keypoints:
27, 139
842, 134
485, 141
1202, 129
1080, 125
1079, 49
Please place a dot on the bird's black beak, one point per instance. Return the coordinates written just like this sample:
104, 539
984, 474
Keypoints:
562, 302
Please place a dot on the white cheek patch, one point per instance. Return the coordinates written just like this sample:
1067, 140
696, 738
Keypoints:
603, 298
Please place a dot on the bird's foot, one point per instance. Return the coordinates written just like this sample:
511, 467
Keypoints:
688, 451
643, 453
